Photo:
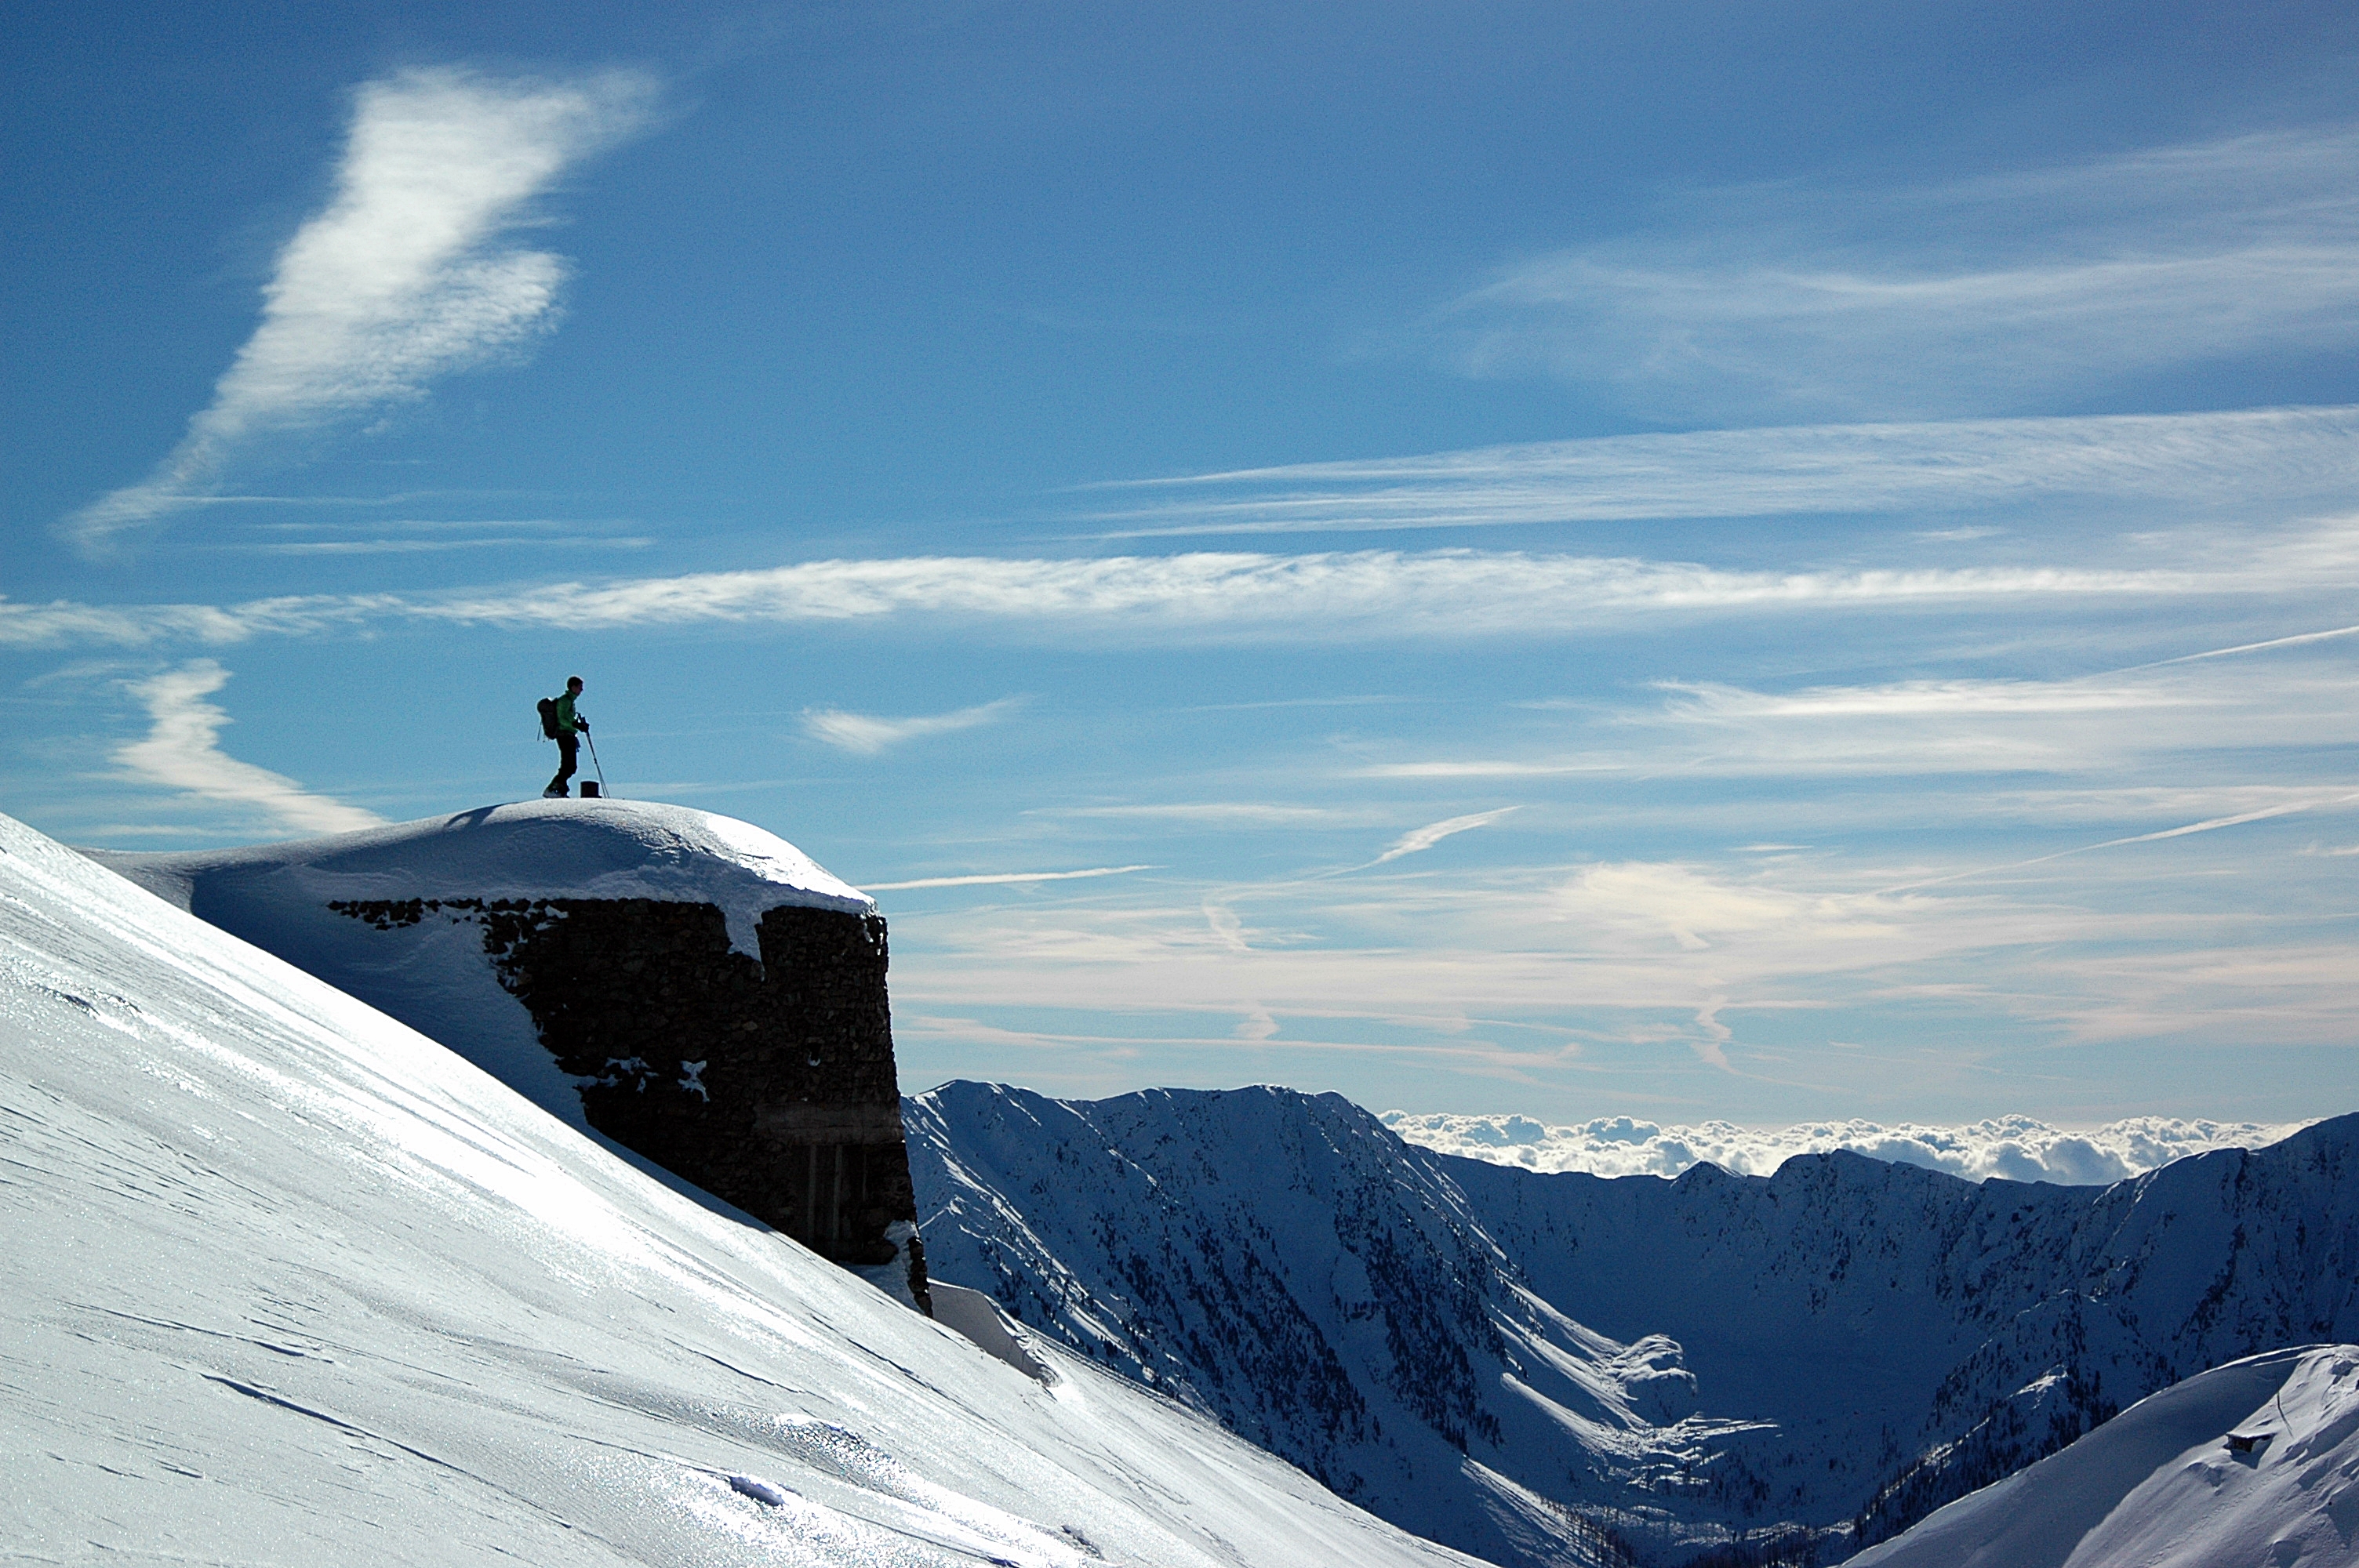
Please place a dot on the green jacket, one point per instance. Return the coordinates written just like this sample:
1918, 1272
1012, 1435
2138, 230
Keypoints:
566, 724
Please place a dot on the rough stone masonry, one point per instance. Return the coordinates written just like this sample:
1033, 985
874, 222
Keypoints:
769, 1084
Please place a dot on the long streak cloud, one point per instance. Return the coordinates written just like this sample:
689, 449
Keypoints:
866, 734
403, 277
2280, 454
1379, 594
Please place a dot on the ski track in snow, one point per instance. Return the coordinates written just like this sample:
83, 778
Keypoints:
287, 1283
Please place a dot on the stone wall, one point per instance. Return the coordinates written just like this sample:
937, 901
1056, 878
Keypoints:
769, 1084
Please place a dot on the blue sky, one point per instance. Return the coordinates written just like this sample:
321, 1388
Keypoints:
1765, 562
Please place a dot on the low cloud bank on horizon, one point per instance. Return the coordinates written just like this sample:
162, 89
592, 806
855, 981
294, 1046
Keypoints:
2012, 1148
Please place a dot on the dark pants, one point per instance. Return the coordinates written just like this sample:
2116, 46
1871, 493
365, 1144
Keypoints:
568, 748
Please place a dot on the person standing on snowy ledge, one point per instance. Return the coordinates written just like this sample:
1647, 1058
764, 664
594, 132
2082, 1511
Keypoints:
561, 724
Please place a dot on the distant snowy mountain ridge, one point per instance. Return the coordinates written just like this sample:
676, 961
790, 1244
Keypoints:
2015, 1148
1517, 1363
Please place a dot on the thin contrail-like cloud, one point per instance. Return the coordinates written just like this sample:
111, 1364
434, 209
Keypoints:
2296, 640
2207, 826
995, 879
1433, 833
868, 734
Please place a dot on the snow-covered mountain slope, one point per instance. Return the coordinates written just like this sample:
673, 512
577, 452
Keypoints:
2254, 1463
1478, 1352
286, 1281
1969, 1327
1273, 1260
433, 975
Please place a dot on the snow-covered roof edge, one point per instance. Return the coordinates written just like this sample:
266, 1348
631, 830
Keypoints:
530, 850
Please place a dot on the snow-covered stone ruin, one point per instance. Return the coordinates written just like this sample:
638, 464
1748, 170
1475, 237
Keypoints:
688, 986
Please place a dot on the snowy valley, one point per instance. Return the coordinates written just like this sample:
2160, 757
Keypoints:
1805, 1363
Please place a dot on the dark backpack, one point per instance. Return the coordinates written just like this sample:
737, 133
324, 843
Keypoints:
548, 718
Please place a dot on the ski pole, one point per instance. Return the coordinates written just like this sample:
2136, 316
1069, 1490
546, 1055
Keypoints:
594, 762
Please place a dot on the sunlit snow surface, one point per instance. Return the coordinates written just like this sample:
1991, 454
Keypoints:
2015, 1148
287, 1283
533, 849
2254, 1462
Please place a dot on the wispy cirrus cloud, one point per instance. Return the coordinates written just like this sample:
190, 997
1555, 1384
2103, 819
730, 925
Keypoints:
1418, 839
1958, 297
2315, 800
868, 733
2288, 692
1486, 768
182, 752
1533, 973
1006, 878
1288, 598
69, 623
1359, 593
416, 535
440, 546
1207, 596
1942, 699
404, 277
2242, 457
2332, 634
1209, 813
2298, 696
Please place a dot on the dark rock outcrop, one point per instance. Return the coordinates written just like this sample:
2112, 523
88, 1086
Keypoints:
769, 1084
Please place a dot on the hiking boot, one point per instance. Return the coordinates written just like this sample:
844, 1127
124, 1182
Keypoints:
554, 792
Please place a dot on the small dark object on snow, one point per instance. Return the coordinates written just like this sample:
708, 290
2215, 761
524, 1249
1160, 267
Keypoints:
767, 1493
